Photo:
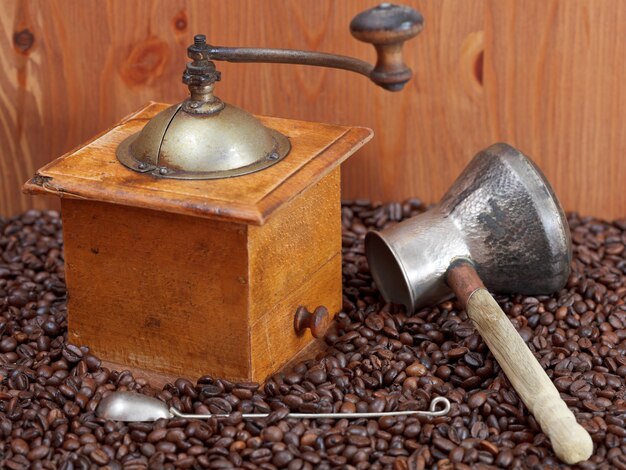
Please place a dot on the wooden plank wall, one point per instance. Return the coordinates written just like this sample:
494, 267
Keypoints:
548, 76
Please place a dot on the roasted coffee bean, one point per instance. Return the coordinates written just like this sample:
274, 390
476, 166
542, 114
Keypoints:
316, 375
38, 453
8, 344
473, 359
504, 458
72, 353
379, 358
99, 457
416, 370
272, 434
19, 446
374, 322
456, 353
477, 399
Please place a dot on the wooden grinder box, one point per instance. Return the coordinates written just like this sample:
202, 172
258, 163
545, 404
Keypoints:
195, 277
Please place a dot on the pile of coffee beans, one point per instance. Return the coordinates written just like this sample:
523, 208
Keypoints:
379, 358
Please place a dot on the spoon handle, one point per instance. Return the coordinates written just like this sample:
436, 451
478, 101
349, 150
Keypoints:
432, 412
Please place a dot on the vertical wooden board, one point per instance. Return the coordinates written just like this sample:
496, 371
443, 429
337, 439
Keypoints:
103, 60
73, 68
425, 134
159, 291
555, 86
293, 244
546, 76
273, 341
294, 259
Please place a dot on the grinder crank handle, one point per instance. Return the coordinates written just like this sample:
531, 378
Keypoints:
385, 26
570, 441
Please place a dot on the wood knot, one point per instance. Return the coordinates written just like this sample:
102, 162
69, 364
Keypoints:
180, 21
472, 63
145, 63
23, 41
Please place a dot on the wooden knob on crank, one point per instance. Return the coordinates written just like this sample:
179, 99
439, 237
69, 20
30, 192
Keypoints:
387, 27
318, 321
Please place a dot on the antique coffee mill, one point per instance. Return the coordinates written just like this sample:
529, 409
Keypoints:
192, 236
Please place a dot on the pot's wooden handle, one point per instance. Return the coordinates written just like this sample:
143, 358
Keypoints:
570, 441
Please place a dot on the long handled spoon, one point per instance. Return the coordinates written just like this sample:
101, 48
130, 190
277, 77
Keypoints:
130, 406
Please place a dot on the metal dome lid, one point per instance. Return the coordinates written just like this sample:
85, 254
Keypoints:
202, 137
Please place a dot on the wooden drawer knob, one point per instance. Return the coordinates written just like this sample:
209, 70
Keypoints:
318, 321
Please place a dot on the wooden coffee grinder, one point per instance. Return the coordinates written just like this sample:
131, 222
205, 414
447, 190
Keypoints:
194, 232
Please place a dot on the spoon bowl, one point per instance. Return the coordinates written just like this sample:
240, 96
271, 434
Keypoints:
130, 406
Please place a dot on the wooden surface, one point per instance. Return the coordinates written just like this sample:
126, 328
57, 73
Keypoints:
145, 291
159, 379
544, 75
310, 278
93, 172
189, 296
295, 259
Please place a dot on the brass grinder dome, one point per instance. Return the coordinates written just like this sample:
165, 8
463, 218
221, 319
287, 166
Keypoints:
202, 137
177, 144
